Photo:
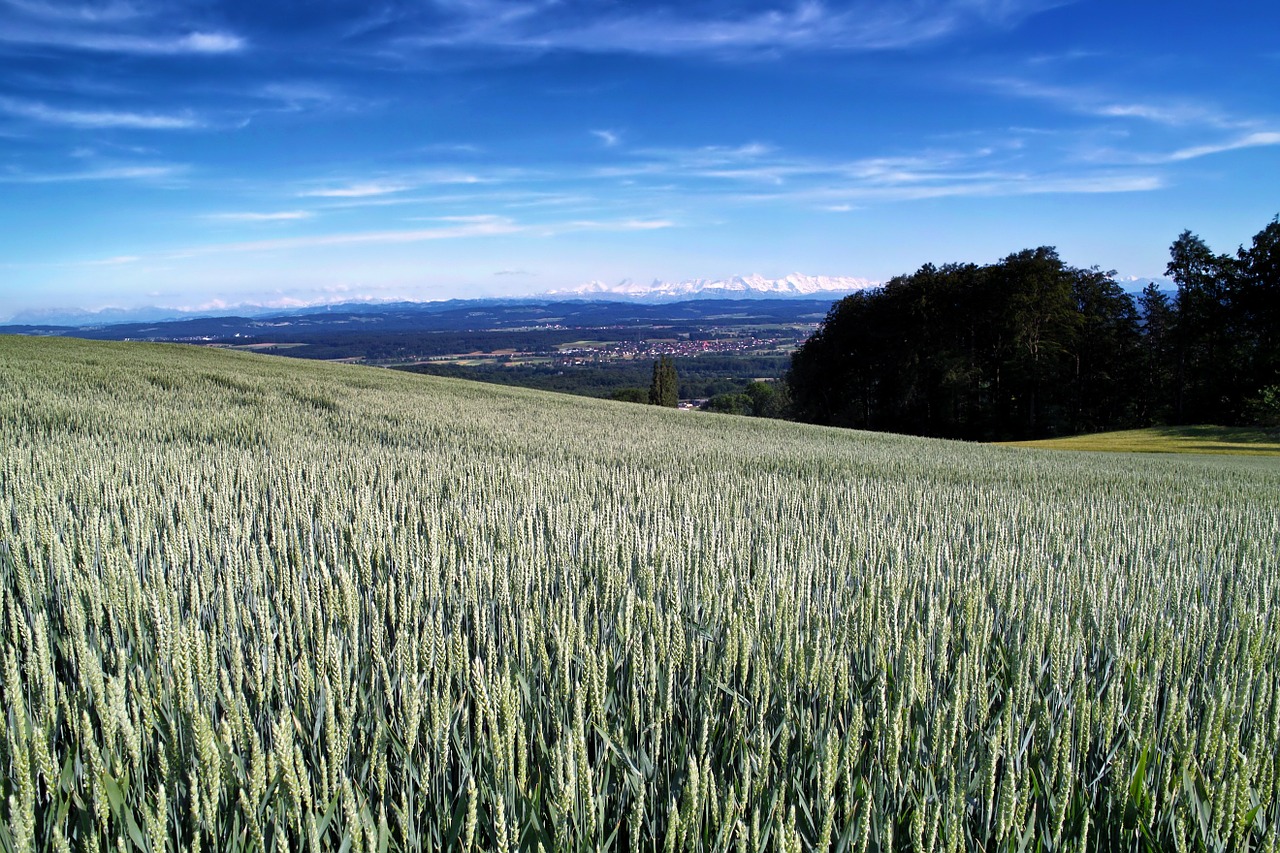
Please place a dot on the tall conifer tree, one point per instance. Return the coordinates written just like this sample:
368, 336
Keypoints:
665, 388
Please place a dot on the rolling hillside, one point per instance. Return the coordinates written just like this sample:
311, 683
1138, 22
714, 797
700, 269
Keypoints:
259, 603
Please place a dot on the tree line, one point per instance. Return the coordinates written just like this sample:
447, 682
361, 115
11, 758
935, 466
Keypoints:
1030, 347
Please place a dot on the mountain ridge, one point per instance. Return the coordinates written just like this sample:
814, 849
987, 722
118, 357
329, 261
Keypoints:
753, 286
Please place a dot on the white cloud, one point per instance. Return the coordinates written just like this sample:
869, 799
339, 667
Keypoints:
1257, 139
386, 186
803, 24
608, 137
1160, 114
706, 160
674, 183
472, 219
115, 261
1253, 140
361, 190
297, 92
487, 228
762, 165
209, 43
105, 173
464, 228
96, 118
836, 198
1168, 112
163, 45
627, 225
251, 216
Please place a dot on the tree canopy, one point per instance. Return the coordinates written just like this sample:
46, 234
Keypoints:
1030, 347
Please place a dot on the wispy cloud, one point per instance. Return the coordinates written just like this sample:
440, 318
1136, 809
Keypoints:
1170, 114
1252, 140
104, 173
298, 96
101, 119
759, 173
710, 28
843, 198
472, 219
374, 188
761, 164
360, 190
489, 227
485, 228
702, 160
297, 91
609, 138
90, 13
1166, 111
139, 27
706, 178
209, 43
123, 42
251, 216
606, 225
469, 227
116, 261
1256, 139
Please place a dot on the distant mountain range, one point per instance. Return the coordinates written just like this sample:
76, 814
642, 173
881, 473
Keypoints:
78, 318
737, 287
793, 286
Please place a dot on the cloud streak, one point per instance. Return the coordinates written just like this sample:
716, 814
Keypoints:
844, 198
192, 43
1256, 139
118, 260
759, 172
105, 173
1167, 112
376, 188
371, 189
704, 28
712, 179
487, 228
251, 216
96, 119
1260, 139
608, 138
461, 228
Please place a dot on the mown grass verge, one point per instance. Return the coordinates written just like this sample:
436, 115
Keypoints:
1202, 438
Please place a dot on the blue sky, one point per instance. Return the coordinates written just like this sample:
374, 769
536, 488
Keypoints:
194, 154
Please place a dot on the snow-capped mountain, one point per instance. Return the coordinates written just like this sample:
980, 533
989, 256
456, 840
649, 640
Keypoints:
738, 287
1135, 283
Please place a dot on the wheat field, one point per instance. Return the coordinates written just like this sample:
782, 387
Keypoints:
257, 604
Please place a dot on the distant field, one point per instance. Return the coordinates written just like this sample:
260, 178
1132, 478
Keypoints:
251, 603
584, 345
266, 345
1245, 441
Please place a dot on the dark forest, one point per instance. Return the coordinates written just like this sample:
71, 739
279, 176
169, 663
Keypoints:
1030, 347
